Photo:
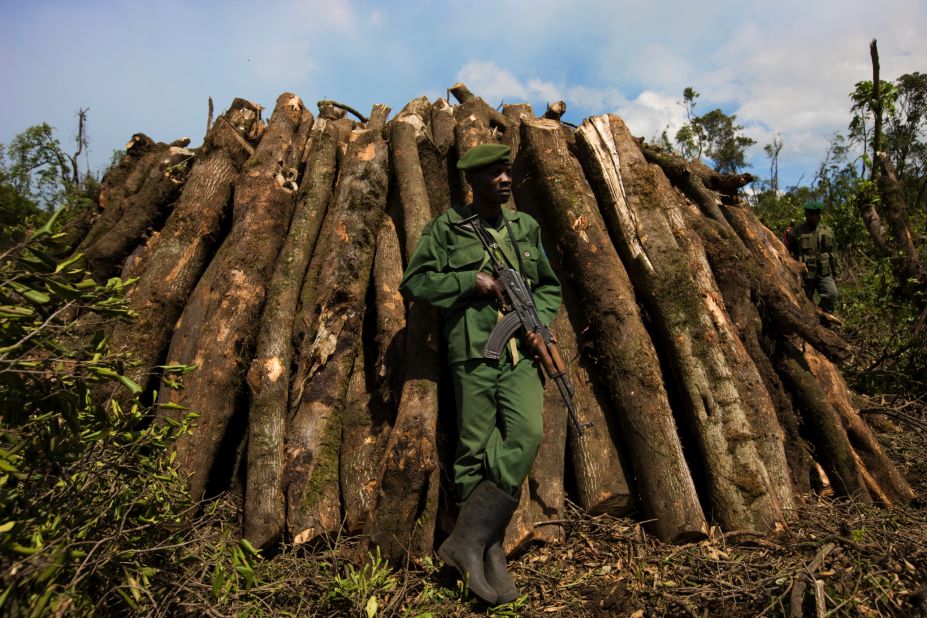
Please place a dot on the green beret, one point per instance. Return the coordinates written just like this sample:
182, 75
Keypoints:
483, 155
814, 205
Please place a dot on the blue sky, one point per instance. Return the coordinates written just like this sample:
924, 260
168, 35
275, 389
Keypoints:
783, 66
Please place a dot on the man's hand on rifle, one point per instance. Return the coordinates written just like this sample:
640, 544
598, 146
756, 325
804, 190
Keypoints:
487, 285
534, 345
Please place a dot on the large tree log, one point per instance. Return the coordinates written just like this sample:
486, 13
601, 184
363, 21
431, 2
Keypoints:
738, 280
627, 360
780, 266
185, 245
390, 314
269, 375
374, 389
125, 177
217, 328
882, 478
757, 403
326, 361
443, 125
516, 113
743, 492
82, 228
410, 181
406, 510
696, 181
359, 440
600, 481
832, 446
163, 170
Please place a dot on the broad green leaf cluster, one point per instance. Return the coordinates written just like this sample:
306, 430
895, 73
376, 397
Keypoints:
88, 492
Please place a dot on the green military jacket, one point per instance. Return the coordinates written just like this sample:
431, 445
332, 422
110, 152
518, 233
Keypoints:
815, 248
442, 272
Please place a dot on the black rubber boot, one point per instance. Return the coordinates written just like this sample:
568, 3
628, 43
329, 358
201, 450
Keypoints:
496, 573
481, 515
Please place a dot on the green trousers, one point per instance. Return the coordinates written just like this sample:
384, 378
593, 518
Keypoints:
499, 422
826, 289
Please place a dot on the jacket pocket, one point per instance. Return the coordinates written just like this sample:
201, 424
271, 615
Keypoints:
806, 242
467, 257
529, 257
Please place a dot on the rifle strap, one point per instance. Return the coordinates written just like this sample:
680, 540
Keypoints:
521, 264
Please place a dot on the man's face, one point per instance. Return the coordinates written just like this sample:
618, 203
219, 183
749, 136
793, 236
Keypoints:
813, 217
492, 183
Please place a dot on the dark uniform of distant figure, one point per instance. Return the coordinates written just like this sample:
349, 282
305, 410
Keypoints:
499, 403
813, 245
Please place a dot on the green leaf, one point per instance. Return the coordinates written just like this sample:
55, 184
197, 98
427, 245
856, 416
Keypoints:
16, 311
372, 607
62, 289
47, 228
103, 372
130, 384
178, 368
7, 526
68, 262
170, 405
39, 298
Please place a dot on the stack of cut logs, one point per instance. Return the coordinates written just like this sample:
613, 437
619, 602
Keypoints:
270, 258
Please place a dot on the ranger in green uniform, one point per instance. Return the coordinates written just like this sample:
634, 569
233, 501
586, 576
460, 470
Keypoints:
499, 403
813, 245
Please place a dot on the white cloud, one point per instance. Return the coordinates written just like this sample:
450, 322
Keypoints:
650, 113
491, 82
646, 115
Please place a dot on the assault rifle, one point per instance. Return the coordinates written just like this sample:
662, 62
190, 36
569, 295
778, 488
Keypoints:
521, 313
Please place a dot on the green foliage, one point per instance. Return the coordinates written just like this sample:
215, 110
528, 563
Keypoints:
360, 591
35, 177
38, 168
714, 135
87, 491
891, 350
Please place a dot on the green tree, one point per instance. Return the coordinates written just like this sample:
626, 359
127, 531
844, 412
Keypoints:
38, 168
37, 177
715, 135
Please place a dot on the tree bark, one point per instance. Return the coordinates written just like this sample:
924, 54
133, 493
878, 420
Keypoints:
374, 389
882, 478
326, 361
171, 269
142, 211
269, 374
390, 314
908, 268
601, 484
743, 492
406, 510
627, 360
124, 177
739, 283
217, 328
832, 446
